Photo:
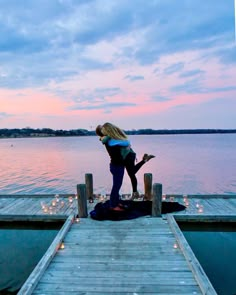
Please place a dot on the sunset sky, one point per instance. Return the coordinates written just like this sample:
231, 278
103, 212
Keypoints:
160, 64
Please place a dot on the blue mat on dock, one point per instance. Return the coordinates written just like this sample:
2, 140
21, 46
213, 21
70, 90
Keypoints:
132, 210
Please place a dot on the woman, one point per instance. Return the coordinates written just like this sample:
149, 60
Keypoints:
114, 136
117, 170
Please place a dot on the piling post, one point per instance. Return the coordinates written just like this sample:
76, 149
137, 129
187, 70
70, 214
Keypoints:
89, 186
82, 201
157, 200
147, 186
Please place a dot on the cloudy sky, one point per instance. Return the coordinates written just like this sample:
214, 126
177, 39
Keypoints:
161, 64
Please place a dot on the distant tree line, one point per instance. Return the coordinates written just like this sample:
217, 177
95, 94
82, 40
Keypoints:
47, 132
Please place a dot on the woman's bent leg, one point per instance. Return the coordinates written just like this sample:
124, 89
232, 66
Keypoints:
130, 168
118, 174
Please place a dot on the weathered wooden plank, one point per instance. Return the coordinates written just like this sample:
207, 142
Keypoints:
161, 275
166, 266
40, 196
206, 218
13, 204
173, 292
135, 288
32, 218
126, 278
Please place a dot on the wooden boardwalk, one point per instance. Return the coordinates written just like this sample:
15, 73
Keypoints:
126, 257
141, 256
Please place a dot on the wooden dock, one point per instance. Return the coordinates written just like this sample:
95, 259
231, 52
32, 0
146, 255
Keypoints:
141, 256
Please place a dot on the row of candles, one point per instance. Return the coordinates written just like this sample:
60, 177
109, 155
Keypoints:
56, 204
186, 201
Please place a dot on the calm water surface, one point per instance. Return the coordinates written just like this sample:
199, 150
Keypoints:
218, 256
22, 246
185, 164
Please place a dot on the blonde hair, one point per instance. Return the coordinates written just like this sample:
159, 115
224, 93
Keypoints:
113, 131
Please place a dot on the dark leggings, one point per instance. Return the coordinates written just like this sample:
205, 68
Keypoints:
132, 169
118, 174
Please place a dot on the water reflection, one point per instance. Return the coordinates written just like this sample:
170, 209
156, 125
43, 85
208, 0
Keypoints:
185, 164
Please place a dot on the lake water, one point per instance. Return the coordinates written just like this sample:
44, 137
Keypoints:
184, 164
23, 244
219, 240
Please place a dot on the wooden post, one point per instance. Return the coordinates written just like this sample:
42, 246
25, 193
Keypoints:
147, 186
82, 200
157, 200
89, 186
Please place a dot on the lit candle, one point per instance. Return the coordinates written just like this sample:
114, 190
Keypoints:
45, 209
200, 209
163, 197
54, 202
62, 246
43, 205
57, 198
187, 203
70, 199
175, 246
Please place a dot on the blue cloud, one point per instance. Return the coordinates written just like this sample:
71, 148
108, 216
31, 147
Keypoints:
191, 27
160, 98
4, 115
96, 95
227, 55
104, 106
174, 68
46, 40
191, 73
195, 86
133, 78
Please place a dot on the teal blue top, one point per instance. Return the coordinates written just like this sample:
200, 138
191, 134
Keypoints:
123, 143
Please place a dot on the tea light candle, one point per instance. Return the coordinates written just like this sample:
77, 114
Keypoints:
70, 199
45, 209
200, 209
185, 197
186, 203
42, 205
54, 202
57, 198
175, 246
62, 246
163, 197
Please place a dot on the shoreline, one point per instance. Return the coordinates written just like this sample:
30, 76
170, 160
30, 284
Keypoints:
12, 133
